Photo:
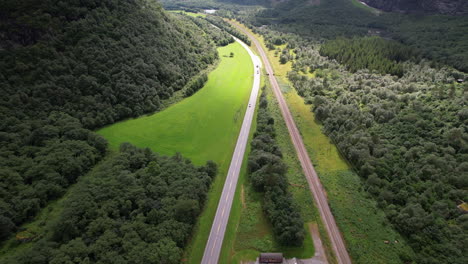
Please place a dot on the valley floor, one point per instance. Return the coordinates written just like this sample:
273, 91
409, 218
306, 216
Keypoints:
363, 225
202, 127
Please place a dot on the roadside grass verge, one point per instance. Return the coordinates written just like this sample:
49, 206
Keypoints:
363, 225
202, 127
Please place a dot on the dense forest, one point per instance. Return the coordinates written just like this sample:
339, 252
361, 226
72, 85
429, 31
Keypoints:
407, 138
137, 208
441, 38
267, 173
373, 53
68, 67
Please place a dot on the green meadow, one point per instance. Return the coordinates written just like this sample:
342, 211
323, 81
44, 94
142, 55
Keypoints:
192, 14
202, 127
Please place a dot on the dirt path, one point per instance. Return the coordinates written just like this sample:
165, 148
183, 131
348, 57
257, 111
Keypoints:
315, 186
320, 257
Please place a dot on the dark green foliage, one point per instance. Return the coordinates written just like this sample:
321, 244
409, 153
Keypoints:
196, 84
102, 72
69, 66
219, 36
373, 53
321, 19
137, 208
408, 139
220, 23
40, 159
268, 174
441, 38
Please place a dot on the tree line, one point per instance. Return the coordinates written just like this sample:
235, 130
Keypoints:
196, 84
220, 23
267, 172
138, 207
219, 36
68, 67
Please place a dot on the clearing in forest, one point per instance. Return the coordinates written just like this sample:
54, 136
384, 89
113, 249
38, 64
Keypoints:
202, 127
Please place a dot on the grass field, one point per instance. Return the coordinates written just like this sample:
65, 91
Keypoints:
362, 224
202, 127
192, 14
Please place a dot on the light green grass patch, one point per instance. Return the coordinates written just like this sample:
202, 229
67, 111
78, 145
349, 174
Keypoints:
202, 127
358, 4
192, 14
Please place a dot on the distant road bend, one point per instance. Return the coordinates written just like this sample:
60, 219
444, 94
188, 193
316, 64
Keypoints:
315, 186
215, 240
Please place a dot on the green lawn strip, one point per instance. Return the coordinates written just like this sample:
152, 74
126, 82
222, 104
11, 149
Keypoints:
192, 14
202, 127
363, 225
40, 226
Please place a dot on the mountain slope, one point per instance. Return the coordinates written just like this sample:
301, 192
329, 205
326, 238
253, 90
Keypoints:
451, 7
69, 66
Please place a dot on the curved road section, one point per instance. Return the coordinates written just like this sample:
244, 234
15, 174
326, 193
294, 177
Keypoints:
314, 183
215, 240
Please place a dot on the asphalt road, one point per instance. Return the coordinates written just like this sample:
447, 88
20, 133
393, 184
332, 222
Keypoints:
215, 240
315, 186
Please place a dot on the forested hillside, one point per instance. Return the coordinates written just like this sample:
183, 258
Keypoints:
441, 38
70, 66
137, 208
457, 7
